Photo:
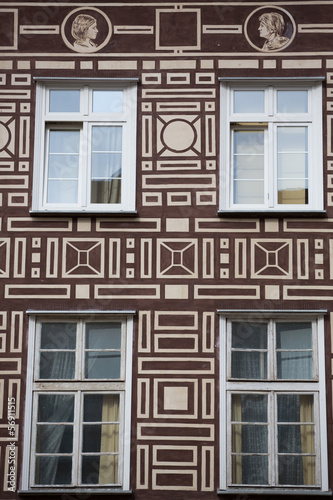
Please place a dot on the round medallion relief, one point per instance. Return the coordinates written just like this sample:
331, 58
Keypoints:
178, 135
4, 136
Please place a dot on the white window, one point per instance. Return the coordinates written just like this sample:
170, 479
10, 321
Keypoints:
85, 146
273, 393
78, 403
271, 146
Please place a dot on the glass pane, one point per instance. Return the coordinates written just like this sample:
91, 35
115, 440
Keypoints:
249, 408
249, 101
249, 365
102, 365
249, 192
100, 469
294, 362
296, 365
57, 365
107, 101
292, 139
249, 335
294, 335
293, 165
296, 438
54, 439
58, 336
53, 470
250, 469
106, 164
292, 101
55, 408
298, 470
101, 408
67, 101
94, 436
63, 166
64, 141
248, 166
293, 192
249, 438
103, 335
295, 408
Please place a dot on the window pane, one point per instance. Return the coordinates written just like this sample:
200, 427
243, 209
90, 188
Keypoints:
55, 365
107, 101
294, 335
67, 101
57, 343
96, 435
63, 166
292, 165
249, 101
249, 438
296, 436
250, 469
53, 470
100, 469
63, 442
102, 365
246, 361
249, 408
101, 408
103, 335
58, 336
293, 360
249, 335
296, 470
292, 101
106, 164
55, 408
248, 166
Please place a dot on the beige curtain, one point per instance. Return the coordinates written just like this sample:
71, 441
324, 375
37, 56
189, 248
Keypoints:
236, 439
108, 467
307, 439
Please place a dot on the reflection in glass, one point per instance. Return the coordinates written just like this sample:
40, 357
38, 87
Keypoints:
64, 101
107, 101
294, 350
292, 101
63, 166
106, 164
248, 169
249, 101
292, 165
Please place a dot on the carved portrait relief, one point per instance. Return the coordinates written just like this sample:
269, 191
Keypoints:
86, 30
270, 29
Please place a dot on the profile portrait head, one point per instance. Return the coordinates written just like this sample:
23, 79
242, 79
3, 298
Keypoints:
84, 31
272, 27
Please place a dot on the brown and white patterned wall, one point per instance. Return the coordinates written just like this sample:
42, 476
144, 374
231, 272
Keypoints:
177, 262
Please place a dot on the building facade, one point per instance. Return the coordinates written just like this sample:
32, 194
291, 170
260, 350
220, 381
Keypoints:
166, 280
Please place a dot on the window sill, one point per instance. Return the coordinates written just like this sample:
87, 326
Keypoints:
284, 492
76, 491
271, 213
82, 213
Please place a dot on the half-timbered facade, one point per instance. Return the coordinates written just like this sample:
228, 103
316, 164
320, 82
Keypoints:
166, 272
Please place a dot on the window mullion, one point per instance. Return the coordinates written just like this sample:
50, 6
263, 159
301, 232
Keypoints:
76, 478
273, 439
271, 164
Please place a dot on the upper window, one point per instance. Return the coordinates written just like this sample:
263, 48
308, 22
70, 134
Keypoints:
271, 146
85, 147
274, 392
78, 395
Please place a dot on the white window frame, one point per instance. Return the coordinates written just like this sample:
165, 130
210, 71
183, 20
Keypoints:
84, 120
270, 120
36, 386
273, 386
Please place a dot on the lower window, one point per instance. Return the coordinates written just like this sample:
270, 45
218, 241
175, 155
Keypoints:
274, 416
79, 398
